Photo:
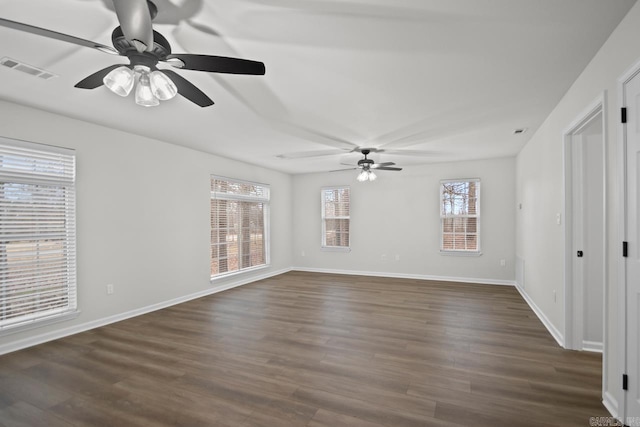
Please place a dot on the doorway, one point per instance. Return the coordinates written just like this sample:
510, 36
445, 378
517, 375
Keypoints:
585, 228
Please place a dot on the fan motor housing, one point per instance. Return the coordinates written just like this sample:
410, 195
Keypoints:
161, 47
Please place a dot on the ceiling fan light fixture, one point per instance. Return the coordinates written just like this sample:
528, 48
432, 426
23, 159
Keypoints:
366, 175
162, 86
120, 81
144, 94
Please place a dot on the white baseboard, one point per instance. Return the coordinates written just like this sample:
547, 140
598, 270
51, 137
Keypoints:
61, 333
610, 403
555, 333
592, 346
408, 276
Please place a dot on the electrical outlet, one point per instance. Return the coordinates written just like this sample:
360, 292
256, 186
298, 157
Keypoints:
109, 289
503, 263
303, 254
397, 257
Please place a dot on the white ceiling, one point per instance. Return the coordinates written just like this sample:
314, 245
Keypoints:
451, 79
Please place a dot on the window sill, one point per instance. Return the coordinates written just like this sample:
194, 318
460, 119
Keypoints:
461, 253
33, 324
335, 249
235, 273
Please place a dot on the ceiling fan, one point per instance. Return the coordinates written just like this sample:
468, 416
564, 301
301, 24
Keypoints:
145, 48
338, 151
366, 166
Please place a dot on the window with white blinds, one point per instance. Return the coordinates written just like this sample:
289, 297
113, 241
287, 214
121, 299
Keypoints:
460, 215
239, 225
37, 233
336, 205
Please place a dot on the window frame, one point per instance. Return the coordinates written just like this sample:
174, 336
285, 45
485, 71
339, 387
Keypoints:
266, 212
443, 216
66, 270
324, 218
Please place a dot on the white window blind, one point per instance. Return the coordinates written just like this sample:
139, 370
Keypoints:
336, 205
239, 225
460, 215
37, 233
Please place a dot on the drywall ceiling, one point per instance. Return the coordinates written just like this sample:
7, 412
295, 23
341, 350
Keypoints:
441, 79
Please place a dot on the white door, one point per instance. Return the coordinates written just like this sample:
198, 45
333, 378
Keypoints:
632, 262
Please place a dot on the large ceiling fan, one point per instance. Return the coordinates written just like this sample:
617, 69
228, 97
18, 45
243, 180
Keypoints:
145, 48
367, 166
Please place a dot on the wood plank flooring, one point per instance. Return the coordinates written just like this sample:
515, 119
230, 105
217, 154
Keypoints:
317, 350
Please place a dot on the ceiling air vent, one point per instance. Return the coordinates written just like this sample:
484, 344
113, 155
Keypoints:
26, 68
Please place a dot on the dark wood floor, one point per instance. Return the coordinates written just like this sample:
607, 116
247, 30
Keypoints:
305, 349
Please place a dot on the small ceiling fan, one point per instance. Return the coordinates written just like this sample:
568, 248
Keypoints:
338, 151
145, 48
367, 166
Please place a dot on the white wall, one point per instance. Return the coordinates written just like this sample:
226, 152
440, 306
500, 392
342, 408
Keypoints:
399, 214
142, 217
539, 189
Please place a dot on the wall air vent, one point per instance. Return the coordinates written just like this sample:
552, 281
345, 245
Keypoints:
26, 68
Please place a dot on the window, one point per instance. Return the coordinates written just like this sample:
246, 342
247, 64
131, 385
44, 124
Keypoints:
335, 218
37, 234
460, 215
239, 226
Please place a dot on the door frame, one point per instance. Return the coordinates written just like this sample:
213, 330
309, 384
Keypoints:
622, 236
573, 295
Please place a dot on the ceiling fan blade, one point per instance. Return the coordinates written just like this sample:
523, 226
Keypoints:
339, 170
135, 21
387, 168
401, 152
219, 64
379, 165
188, 89
96, 79
56, 35
349, 164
